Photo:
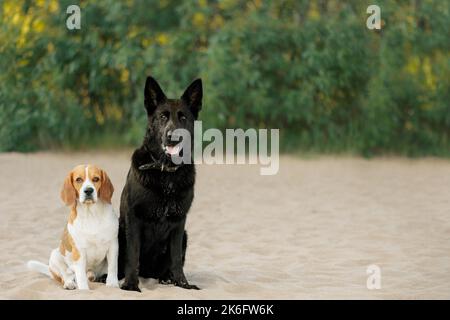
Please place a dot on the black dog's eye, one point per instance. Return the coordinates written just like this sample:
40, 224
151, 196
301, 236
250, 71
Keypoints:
164, 115
181, 116
79, 180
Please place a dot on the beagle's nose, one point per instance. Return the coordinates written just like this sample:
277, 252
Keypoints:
89, 191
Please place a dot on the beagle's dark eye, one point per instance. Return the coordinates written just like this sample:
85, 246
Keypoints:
79, 180
96, 179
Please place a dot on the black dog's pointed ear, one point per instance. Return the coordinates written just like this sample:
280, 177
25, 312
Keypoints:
153, 95
193, 96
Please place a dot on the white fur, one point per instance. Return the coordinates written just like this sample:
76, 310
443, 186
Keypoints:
39, 267
94, 232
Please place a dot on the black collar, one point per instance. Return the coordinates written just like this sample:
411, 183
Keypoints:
155, 165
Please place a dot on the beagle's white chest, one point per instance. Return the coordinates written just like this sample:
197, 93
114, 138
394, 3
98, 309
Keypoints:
93, 230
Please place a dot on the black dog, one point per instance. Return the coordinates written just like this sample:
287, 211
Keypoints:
158, 194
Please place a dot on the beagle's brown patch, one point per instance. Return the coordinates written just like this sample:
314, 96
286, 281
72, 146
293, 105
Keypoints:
56, 276
68, 245
75, 252
90, 275
101, 182
72, 185
73, 214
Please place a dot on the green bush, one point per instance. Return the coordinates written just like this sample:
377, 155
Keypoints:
310, 68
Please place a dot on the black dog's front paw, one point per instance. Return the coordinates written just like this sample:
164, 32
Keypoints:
130, 286
179, 283
187, 286
165, 281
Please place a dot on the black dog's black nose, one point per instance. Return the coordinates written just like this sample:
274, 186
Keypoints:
173, 138
89, 191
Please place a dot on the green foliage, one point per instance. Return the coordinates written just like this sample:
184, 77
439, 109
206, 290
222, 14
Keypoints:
310, 68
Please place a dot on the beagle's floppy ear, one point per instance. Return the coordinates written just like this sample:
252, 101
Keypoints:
106, 189
68, 193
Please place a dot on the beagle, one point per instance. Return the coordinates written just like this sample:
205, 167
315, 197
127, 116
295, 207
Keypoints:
89, 246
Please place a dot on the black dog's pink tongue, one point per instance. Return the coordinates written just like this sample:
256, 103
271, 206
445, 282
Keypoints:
173, 150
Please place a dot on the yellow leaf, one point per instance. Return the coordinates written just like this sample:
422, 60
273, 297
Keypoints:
38, 25
53, 6
50, 47
199, 19
430, 78
217, 22
162, 39
313, 12
16, 19
226, 4
23, 62
124, 75
146, 42
412, 67
409, 126
99, 117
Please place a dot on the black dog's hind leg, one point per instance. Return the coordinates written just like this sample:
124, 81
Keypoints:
166, 276
184, 247
175, 274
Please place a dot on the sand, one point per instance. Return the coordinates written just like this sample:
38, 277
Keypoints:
309, 232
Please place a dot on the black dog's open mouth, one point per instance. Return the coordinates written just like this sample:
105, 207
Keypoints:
173, 150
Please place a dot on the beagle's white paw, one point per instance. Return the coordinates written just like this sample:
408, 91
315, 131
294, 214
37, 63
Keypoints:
70, 285
114, 283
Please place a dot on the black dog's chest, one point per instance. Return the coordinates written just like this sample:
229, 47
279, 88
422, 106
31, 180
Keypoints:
158, 207
168, 188
157, 230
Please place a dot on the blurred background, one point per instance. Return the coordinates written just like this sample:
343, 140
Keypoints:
310, 68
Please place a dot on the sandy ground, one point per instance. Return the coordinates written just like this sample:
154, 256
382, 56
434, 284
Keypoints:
309, 232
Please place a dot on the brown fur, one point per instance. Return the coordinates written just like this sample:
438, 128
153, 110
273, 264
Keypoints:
106, 190
68, 245
91, 276
104, 185
56, 276
73, 214
68, 194
75, 252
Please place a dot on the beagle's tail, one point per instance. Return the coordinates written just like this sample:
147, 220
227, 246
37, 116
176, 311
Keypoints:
39, 267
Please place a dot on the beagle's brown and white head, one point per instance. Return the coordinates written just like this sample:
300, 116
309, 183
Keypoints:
86, 184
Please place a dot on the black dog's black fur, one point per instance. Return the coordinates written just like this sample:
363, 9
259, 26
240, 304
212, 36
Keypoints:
155, 202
